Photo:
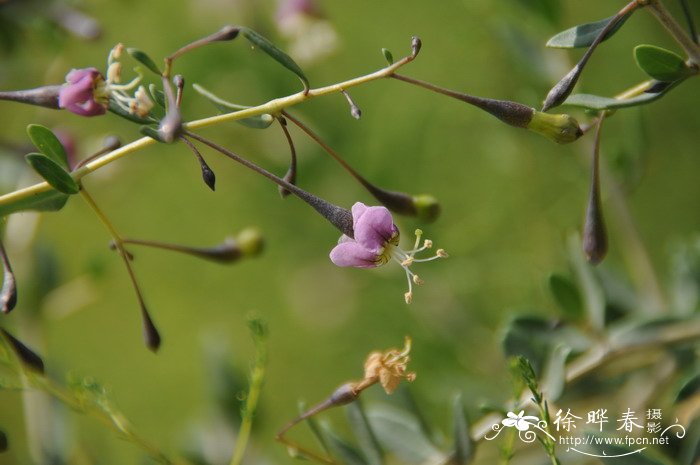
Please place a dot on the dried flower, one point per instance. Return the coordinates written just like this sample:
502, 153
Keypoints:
389, 367
376, 242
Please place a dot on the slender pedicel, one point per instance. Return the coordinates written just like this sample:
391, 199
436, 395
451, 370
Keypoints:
595, 239
337, 216
563, 88
354, 109
227, 32
291, 175
207, 174
8, 294
423, 206
109, 144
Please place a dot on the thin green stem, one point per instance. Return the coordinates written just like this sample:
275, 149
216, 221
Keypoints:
272, 107
689, 20
658, 9
256, 381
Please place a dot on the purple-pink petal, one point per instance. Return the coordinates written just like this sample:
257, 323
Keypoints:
373, 227
77, 95
351, 253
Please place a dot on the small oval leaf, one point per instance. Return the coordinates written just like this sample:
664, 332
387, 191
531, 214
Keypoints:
660, 63
278, 55
48, 144
144, 59
52, 173
583, 35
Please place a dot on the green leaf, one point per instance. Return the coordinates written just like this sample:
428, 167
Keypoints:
119, 111
464, 446
660, 63
49, 201
256, 122
554, 378
584, 35
48, 144
388, 56
339, 447
550, 10
364, 434
278, 55
52, 173
401, 433
567, 296
151, 132
144, 59
3, 442
157, 95
596, 102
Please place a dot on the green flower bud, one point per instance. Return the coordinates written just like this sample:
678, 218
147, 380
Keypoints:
561, 128
250, 241
427, 207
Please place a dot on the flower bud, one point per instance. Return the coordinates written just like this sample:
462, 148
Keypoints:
250, 242
561, 128
427, 207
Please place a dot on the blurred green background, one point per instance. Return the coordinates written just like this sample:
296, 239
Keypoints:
510, 201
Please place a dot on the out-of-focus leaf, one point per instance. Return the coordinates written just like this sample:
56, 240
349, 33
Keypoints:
463, 444
400, 433
596, 102
690, 446
144, 59
366, 438
660, 63
278, 55
52, 173
555, 373
340, 448
593, 295
549, 10
48, 144
566, 295
26, 356
584, 35
690, 387
255, 122
4, 445
529, 337
623, 455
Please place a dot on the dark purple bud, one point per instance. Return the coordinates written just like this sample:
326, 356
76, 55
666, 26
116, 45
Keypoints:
150, 332
27, 356
344, 395
595, 238
416, 45
8, 294
227, 32
46, 96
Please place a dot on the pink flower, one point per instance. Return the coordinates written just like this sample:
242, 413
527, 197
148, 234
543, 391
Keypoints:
376, 242
80, 94
375, 234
